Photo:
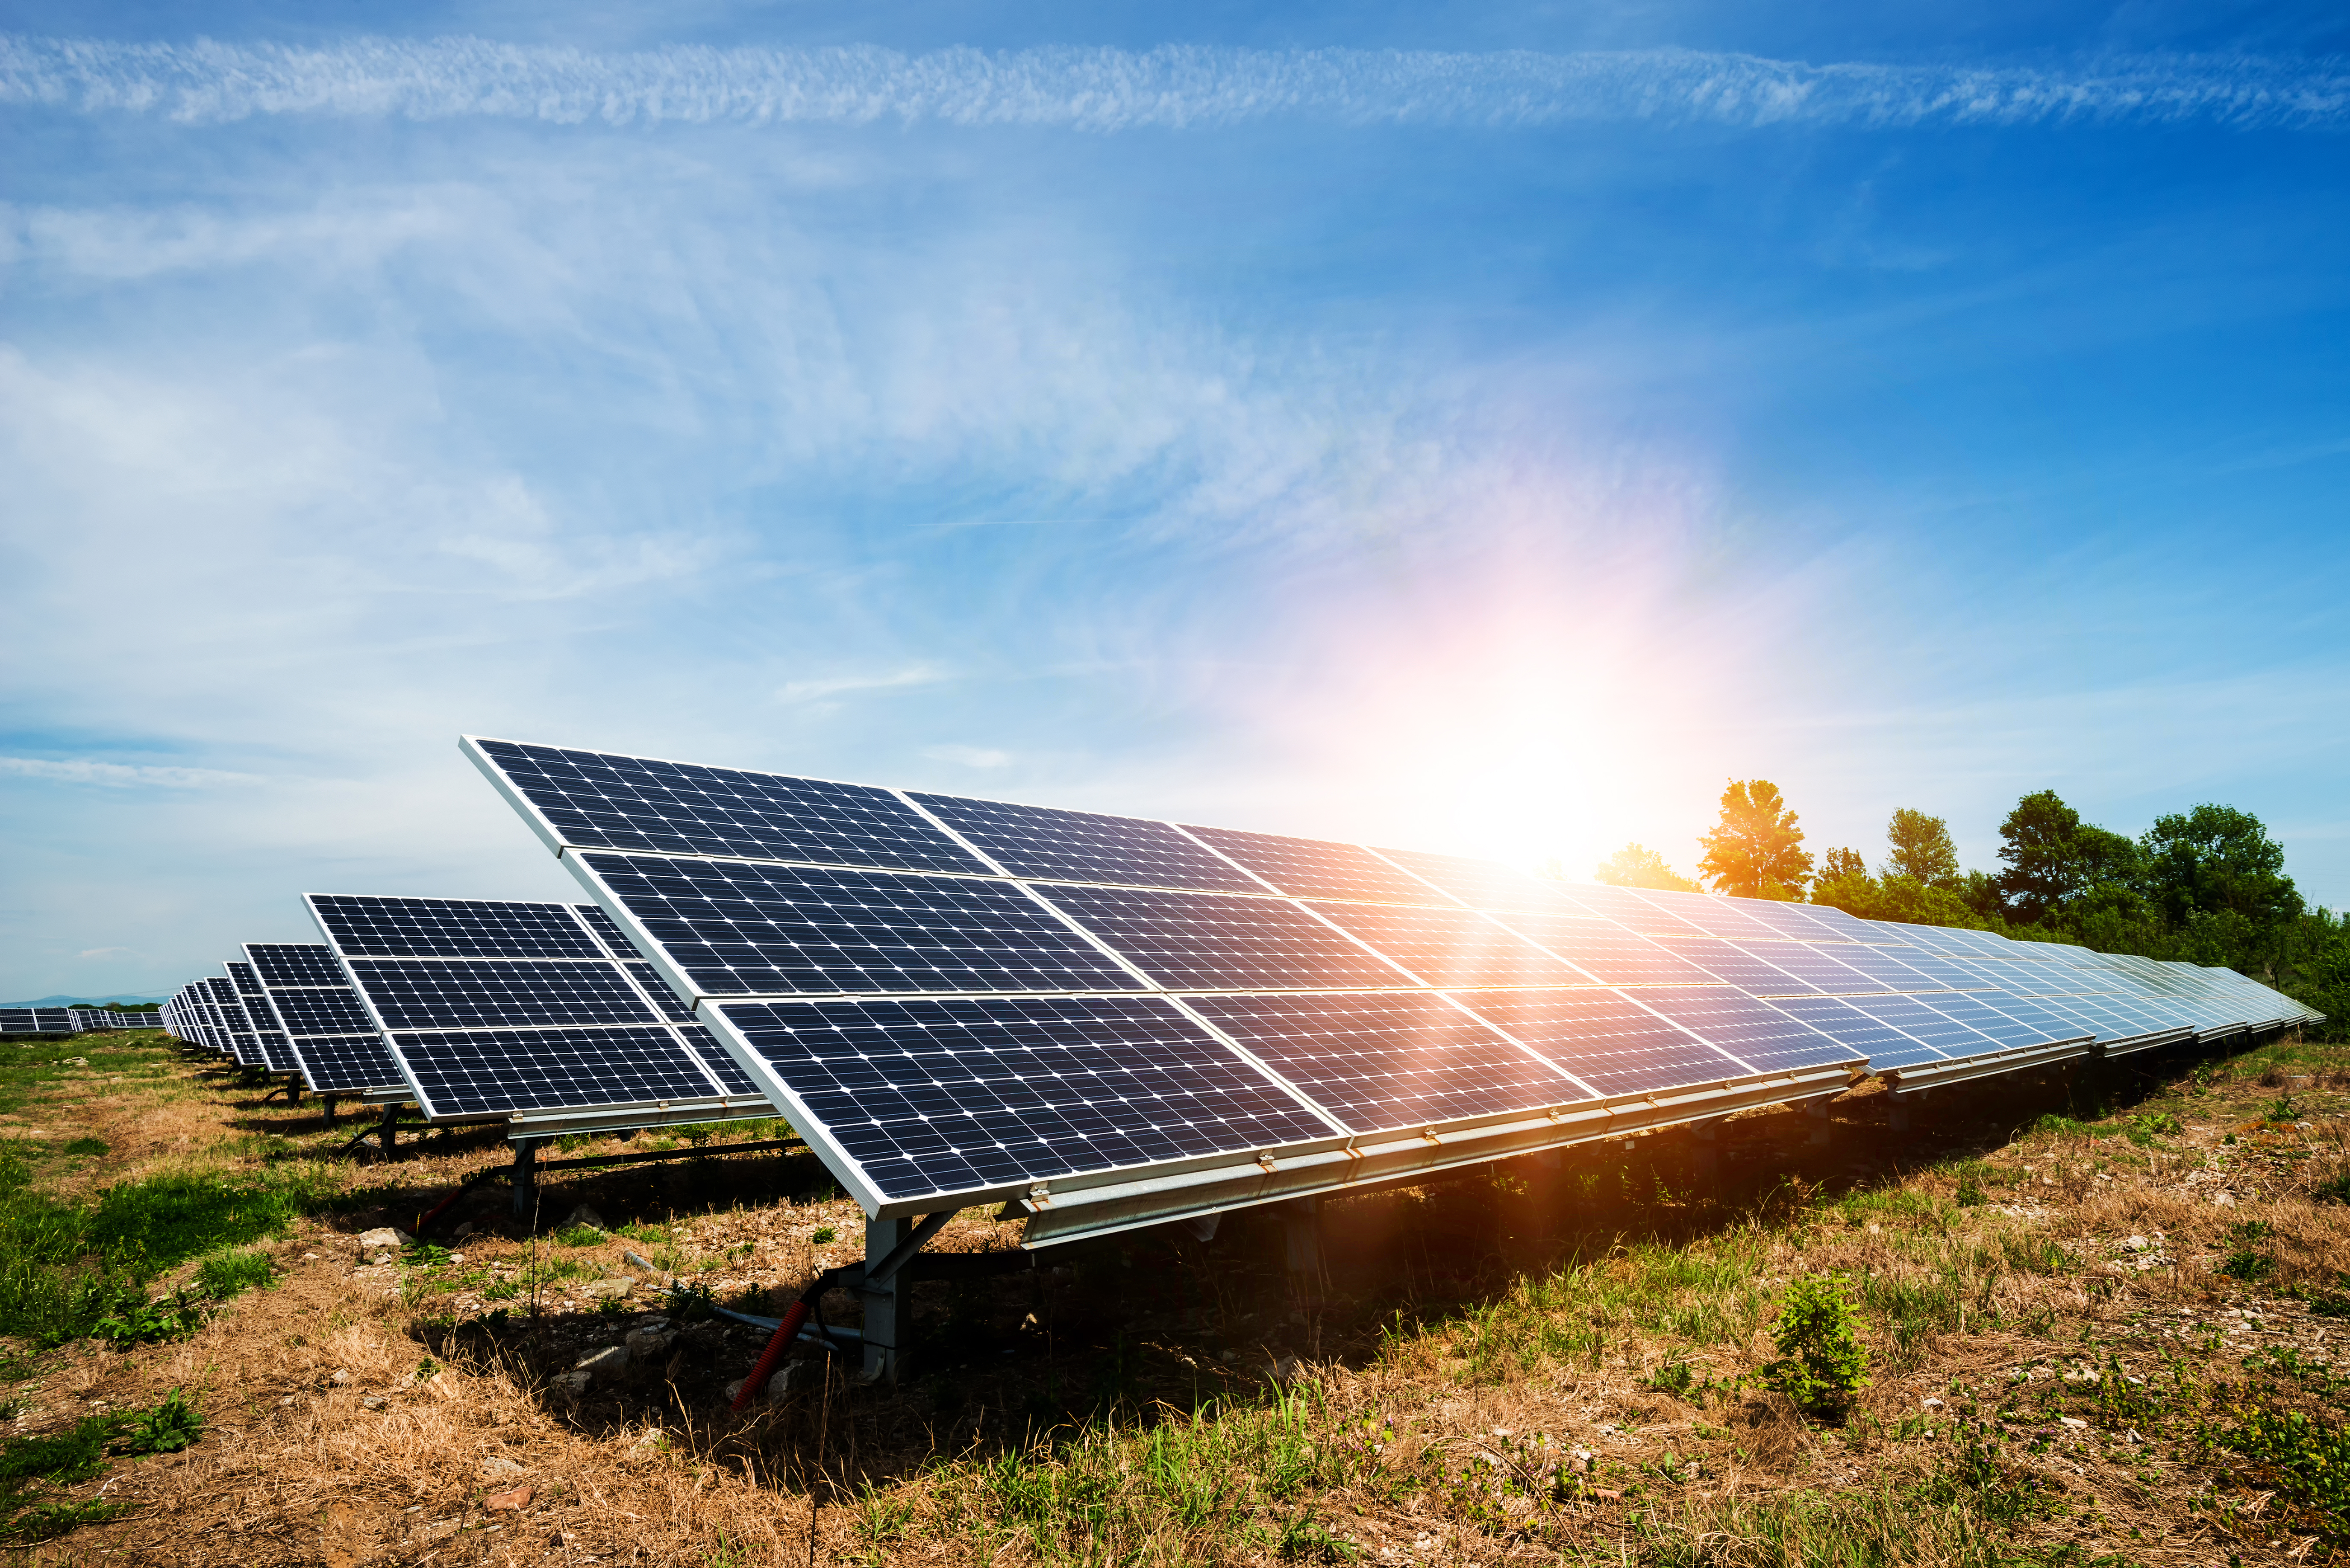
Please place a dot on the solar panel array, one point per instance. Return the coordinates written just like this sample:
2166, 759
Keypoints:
491, 1009
334, 1044
959, 999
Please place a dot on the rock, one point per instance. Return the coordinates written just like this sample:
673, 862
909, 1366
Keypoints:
441, 1529
499, 1470
513, 1502
607, 1290
339, 1376
1930, 1403
2074, 1422
648, 1343
795, 1378
2137, 1243
377, 1245
1287, 1369
2224, 1201
373, 1402
612, 1360
583, 1215
570, 1384
467, 1229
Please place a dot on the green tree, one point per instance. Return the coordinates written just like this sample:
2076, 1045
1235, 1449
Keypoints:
1838, 864
1636, 866
1756, 850
2216, 857
1923, 850
2052, 857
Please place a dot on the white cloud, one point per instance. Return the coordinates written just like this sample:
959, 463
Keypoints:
106, 953
823, 688
120, 775
1104, 90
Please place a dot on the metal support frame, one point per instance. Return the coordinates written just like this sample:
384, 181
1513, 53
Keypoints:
1897, 1107
526, 1176
1816, 1112
888, 1288
1705, 1161
329, 1102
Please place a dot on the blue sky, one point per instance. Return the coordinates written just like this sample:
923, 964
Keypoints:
1471, 427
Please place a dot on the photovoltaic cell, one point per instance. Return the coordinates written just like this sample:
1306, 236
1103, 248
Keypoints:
1380, 1063
325, 1011
1971, 1011
493, 1071
1318, 868
1608, 1041
715, 1058
665, 1002
1816, 969
1218, 942
979, 1093
362, 927
1852, 1029
1483, 884
1086, 846
738, 928
1877, 964
1753, 1032
1608, 952
1450, 948
599, 801
1915, 1016
606, 930
458, 993
1730, 963
1715, 917
1630, 911
295, 964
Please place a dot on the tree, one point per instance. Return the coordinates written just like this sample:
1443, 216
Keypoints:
2052, 857
2216, 857
1839, 864
1636, 866
1923, 850
1756, 849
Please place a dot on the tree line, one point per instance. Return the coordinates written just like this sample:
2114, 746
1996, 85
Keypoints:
2208, 886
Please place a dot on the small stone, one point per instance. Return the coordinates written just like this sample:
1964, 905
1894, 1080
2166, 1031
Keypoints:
607, 1290
2074, 1422
583, 1215
441, 1529
309, 1257
571, 1385
499, 1470
610, 1361
383, 1238
1930, 1403
513, 1502
465, 1230
649, 1342
2137, 1243
2224, 1201
339, 1376
373, 1402
1287, 1369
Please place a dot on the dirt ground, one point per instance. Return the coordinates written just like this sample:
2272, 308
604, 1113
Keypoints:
1543, 1361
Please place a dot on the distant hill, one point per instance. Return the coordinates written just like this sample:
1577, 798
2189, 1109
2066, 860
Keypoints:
118, 997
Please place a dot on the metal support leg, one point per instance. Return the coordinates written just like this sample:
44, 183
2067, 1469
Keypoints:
1897, 1110
889, 1302
292, 1088
1301, 1242
329, 1101
1818, 1111
526, 1177
1705, 1161
389, 1131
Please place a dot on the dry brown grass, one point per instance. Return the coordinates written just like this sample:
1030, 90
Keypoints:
1118, 1408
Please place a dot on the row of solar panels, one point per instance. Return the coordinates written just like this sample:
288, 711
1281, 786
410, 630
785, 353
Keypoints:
71, 1020
1113, 1021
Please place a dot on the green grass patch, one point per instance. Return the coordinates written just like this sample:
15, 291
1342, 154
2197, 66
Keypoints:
32, 1469
66, 1267
235, 1271
87, 1146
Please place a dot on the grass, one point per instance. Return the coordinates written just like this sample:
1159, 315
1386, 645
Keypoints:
1564, 1365
32, 1470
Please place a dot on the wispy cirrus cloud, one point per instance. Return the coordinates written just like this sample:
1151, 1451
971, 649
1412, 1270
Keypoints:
120, 775
1105, 89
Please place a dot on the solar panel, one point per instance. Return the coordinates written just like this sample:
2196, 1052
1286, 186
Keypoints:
1314, 868
268, 1034
493, 1009
1714, 917
947, 1096
597, 800
742, 929
327, 1030
1855, 1031
1483, 884
1818, 969
1451, 948
1380, 1062
1755, 1032
1604, 1039
1608, 952
1221, 941
1052, 846
1632, 911
1915, 1017
1730, 963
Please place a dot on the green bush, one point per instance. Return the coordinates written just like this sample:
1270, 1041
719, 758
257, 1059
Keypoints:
1822, 1363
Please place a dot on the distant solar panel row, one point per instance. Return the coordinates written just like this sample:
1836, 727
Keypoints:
955, 997
489, 1008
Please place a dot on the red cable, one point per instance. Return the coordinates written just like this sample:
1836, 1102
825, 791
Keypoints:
785, 1332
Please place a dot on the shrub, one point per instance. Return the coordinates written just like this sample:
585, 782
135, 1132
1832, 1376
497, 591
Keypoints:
1822, 1363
